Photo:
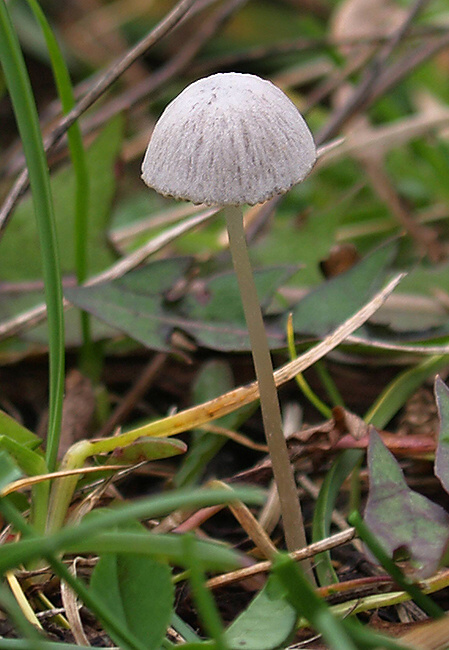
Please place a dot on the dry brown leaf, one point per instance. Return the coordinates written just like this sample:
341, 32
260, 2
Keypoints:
358, 19
71, 606
428, 636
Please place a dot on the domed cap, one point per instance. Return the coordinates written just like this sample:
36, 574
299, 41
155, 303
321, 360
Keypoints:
229, 139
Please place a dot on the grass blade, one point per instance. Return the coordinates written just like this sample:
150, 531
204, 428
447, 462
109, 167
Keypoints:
24, 106
77, 155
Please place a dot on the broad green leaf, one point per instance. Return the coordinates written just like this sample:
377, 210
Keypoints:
134, 304
218, 297
401, 518
139, 592
442, 451
157, 278
213, 316
9, 471
338, 298
216, 314
10, 428
21, 234
254, 629
306, 243
422, 281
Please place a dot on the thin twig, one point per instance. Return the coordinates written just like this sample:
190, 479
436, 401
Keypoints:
177, 64
309, 551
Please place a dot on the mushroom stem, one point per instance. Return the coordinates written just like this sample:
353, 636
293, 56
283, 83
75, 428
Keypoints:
269, 402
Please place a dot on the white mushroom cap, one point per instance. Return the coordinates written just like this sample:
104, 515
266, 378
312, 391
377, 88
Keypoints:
229, 139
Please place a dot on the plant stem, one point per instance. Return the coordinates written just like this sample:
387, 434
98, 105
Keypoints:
269, 402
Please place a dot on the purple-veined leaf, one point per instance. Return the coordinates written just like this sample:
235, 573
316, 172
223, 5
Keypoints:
442, 451
401, 518
136, 304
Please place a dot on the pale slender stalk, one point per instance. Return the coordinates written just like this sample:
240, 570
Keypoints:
269, 402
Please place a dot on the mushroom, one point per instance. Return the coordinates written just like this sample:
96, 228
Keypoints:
227, 140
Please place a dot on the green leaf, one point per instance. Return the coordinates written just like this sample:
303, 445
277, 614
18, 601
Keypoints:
214, 317
139, 592
403, 581
21, 233
218, 297
10, 428
134, 304
254, 628
307, 242
9, 471
442, 451
325, 307
148, 449
401, 518
30, 462
216, 314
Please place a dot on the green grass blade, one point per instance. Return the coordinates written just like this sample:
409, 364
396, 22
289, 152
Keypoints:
400, 389
306, 602
313, 398
207, 609
126, 638
24, 106
340, 470
38, 644
12, 555
78, 157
